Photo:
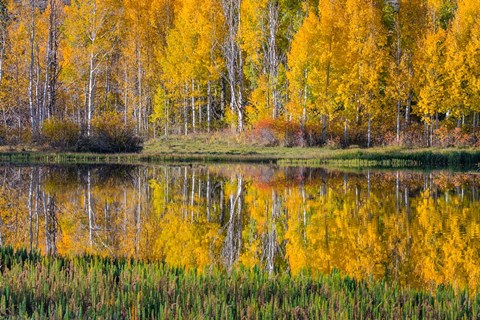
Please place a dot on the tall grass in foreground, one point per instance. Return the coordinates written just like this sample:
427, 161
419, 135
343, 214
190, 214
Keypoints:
90, 287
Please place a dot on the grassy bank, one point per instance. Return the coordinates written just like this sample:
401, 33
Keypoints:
91, 287
202, 148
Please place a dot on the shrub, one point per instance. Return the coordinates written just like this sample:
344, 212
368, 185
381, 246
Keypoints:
3, 135
445, 138
314, 134
111, 134
411, 137
264, 134
270, 132
61, 133
333, 143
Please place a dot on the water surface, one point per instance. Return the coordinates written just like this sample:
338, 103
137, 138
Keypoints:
419, 229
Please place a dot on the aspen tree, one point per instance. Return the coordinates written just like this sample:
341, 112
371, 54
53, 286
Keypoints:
91, 28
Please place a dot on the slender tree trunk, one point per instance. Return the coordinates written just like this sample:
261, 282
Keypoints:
185, 116
474, 122
140, 89
47, 80
303, 121
3, 43
345, 132
408, 110
272, 60
193, 107
31, 69
327, 88
222, 98
234, 59
166, 117
125, 95
240, 120
399, 127
324, 128
431, 133
51, 70
90, 93
426, 134
369, 131
209, 107
38, 94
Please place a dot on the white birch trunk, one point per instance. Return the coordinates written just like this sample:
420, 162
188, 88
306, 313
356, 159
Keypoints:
193, 107
31, 69
90, 93
209, 106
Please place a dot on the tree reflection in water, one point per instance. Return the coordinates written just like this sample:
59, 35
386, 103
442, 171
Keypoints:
419, 229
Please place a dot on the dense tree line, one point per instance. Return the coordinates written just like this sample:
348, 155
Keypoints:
365, 72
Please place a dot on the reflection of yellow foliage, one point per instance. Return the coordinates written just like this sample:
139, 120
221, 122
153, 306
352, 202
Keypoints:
182, 243
319, 224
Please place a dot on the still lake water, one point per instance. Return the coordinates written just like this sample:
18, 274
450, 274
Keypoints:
419, 229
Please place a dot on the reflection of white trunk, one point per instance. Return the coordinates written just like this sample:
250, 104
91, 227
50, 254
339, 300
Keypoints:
397, 191
185, 196
89, 209
368, 183
233, 237
304, 211
30, 208
192, 198
138, 213
271, 245
222, 206
166, 197
208, 197
125, 218
51, 226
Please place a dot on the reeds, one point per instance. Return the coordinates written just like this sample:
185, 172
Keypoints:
91, 287
403, 159
378, 157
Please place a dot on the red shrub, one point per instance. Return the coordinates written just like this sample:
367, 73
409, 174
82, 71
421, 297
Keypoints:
456, 137
269, 132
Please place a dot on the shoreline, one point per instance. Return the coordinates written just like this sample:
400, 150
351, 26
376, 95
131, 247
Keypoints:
383, 157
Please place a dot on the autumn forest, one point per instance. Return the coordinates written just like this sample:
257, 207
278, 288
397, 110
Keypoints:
318, 72
240, 159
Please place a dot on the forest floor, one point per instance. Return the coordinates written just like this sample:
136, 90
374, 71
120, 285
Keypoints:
218, 148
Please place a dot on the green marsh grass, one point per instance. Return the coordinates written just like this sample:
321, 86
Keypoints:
35, 286
204, 149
